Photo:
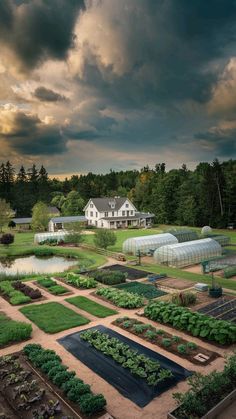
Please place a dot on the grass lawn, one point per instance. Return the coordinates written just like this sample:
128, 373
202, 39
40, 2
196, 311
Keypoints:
91, 307
12, 331
53, 317
146, 290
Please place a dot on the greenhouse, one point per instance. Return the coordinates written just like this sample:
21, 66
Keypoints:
189, 253
146, 244
42, 237
184, 235
221, 239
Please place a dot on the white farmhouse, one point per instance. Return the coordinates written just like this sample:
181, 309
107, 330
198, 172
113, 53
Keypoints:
115, 213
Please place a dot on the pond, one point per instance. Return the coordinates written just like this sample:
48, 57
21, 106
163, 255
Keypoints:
33, 264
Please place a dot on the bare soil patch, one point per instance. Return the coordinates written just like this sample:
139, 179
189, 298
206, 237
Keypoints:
176, 283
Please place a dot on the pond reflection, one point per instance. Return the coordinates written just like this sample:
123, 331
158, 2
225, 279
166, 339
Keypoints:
33, 264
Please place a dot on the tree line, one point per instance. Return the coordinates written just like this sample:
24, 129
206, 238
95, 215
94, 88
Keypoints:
205, 195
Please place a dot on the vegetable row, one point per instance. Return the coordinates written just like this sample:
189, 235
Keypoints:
195, 323
121, 298
139, 364
73, 387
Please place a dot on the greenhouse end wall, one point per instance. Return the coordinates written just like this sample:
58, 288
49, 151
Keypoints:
41, 237
186, 254
145, 244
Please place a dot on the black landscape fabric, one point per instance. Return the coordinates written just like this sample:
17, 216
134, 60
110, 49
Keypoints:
131, 272
134, 388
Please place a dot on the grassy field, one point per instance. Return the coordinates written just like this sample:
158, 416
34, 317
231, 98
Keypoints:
12, 331
53, 317
91, 307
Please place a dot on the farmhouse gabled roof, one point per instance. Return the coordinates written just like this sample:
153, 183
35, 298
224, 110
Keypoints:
103, 204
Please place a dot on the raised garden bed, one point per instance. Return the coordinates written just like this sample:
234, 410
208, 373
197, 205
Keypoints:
78, 281
209, 395
194, 323
132, 273
53, 317
11, 295
120, 298
25, 394
12, 331
145, 290
91, 306
127, 380
109, 277
176, 283
52, 286
207, 308
171, 343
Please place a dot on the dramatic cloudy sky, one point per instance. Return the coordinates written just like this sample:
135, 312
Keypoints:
89, 85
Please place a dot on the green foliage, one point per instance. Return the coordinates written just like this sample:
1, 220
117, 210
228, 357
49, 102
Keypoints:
43, 252
73, 387
192, 346
146, 290
182, 349
184, 299
15, 297
6, 213
80, 281
195, 323
166, 342
92, 403
12, 331
73, 204
57, 290
138, 364
176, 339
121, 298
104, 238
206, 391
46, 282
229, 271
40, 217
91, 307
105, 276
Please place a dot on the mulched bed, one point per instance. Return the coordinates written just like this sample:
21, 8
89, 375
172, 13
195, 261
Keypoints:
223, 308
204, 301
9, 403
173, 348
132, 272
130, 386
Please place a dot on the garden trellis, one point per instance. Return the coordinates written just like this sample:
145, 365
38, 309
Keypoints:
189, 253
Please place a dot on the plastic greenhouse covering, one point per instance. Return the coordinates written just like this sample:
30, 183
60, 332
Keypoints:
189, 253
221, 239
145, 244
184, 235
41, 237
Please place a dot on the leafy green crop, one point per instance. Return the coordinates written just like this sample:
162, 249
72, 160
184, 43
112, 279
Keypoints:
196, 324
121, 298
138, 364
80, 281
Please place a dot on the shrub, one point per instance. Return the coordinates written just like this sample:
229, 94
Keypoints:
56, 370
184, 299
38, 358
91, 403
76, 391
109, 277
31, 347
104, 238
62, 376
43, 252
197, 324
71, 383
49, 365
7, 239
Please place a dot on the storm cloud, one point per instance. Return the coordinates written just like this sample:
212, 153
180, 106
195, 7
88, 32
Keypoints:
48, 95
36, 30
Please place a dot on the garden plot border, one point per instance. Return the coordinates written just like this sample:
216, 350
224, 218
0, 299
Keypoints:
131, 387
69, 292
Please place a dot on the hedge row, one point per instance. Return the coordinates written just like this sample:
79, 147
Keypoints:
74, 388
196, 324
